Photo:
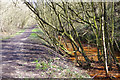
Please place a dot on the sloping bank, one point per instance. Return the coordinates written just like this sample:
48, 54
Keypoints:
50, 64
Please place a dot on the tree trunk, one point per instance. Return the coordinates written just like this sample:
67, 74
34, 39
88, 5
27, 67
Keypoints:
104, 42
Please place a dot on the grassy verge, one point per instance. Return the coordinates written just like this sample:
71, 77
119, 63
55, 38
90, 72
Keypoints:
35, 31
34, 37
21, 31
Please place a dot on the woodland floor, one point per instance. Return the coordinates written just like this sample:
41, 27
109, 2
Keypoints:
22, 58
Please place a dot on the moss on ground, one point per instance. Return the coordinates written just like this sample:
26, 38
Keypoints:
35, 31
34, 36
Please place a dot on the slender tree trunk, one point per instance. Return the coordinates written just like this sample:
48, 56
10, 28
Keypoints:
105, 52
112, 39
104, 42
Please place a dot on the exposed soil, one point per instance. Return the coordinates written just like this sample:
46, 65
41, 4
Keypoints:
96, 70
19, 55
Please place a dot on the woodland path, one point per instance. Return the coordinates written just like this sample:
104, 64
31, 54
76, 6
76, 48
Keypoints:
19, 54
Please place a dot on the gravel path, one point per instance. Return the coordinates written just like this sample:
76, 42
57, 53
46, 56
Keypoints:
19, 55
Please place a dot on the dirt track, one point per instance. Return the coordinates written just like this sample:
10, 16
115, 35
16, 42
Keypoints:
19, 54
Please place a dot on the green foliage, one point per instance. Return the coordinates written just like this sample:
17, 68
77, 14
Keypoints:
33, 35
41, 65
20, 32
35, 32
